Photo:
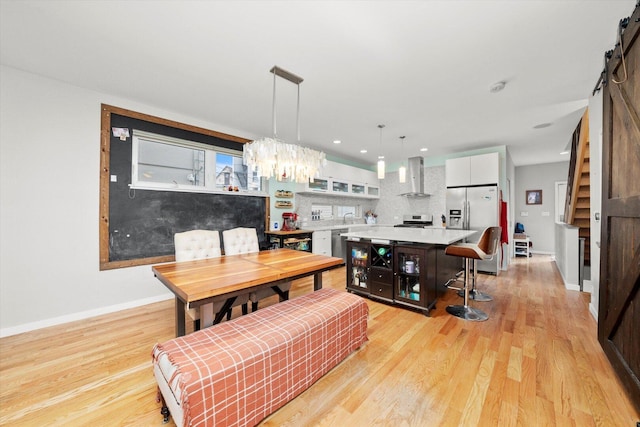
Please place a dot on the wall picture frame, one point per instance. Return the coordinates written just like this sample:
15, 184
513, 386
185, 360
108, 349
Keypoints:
534, 197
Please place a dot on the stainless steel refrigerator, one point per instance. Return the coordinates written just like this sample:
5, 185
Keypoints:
475, 208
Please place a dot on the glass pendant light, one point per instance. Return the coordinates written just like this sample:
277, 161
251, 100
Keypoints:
272, 157
380, 158
402, 172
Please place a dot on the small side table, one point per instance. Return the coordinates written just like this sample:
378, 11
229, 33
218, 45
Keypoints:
521, 246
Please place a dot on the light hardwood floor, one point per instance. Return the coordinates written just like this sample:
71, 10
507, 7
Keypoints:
535, 362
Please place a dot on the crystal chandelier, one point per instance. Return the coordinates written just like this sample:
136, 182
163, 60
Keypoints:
270, 157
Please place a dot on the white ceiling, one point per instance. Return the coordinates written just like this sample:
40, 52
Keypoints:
422, 68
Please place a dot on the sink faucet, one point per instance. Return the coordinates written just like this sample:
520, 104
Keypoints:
344, 217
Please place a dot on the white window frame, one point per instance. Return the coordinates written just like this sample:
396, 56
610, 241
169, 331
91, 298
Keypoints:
209, 165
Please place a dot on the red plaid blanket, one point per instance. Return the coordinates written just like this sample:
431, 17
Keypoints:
237, 373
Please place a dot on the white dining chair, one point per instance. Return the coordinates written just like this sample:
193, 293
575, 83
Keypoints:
201, 244
243, 240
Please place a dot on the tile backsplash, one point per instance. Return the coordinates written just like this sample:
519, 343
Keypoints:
390, 207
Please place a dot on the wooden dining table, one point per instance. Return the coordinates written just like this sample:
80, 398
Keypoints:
198, 284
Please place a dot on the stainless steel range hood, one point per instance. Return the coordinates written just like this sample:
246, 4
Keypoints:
415, 186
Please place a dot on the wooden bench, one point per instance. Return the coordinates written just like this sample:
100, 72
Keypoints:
236, 373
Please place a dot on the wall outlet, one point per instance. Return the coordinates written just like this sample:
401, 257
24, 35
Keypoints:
114, 178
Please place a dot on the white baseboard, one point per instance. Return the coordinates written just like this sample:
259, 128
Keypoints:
594, 311
569, 286
27, 327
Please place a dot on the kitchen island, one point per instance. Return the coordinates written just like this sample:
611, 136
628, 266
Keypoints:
403, 266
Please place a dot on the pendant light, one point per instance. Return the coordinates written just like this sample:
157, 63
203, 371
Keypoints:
402, 172
381, 157
272, 157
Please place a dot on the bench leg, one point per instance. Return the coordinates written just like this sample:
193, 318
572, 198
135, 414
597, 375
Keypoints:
165, 414
164, 410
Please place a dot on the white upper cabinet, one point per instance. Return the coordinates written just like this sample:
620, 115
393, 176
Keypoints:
458, 171
474, 170
343, 180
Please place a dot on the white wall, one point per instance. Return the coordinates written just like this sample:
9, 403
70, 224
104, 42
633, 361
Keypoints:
538, 177
567, 254
49, 192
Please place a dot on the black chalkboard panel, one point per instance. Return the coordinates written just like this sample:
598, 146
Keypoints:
143, 225
142, 222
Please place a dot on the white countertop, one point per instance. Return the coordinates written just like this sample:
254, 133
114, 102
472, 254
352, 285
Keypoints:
313, 227
435, 236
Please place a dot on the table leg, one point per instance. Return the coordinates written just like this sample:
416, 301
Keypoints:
180, 326
223, 311
317, 281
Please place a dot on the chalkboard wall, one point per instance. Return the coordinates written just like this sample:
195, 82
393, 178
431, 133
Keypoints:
142, 222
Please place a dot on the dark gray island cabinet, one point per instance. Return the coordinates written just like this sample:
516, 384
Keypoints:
407, 270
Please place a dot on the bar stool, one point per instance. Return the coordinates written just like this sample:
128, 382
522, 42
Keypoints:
486, 248
475, 294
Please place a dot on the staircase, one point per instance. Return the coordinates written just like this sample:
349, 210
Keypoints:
577, 211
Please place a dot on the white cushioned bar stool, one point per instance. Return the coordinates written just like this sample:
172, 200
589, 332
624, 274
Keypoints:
486, 248
201, 244
245, 240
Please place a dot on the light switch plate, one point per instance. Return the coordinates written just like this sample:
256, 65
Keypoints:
114, 178
523, 213
545, 213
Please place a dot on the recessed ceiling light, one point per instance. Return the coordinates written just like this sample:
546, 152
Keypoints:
497, 87
336, 141
542, 126
424, 149
564, 152
363, 151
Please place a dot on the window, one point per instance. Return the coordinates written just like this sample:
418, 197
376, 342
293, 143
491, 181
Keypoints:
349, 211
231, 171
164, 162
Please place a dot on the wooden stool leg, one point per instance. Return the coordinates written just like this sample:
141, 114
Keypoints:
465, 311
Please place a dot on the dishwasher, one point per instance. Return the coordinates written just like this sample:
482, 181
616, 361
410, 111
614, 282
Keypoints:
339, 243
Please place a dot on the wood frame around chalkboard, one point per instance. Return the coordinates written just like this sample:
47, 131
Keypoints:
105, 150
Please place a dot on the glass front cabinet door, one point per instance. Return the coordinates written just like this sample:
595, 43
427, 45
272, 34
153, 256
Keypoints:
358, 189
320, 185
415, 280
358, 267
340, 187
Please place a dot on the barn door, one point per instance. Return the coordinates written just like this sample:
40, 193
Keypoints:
619, 311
